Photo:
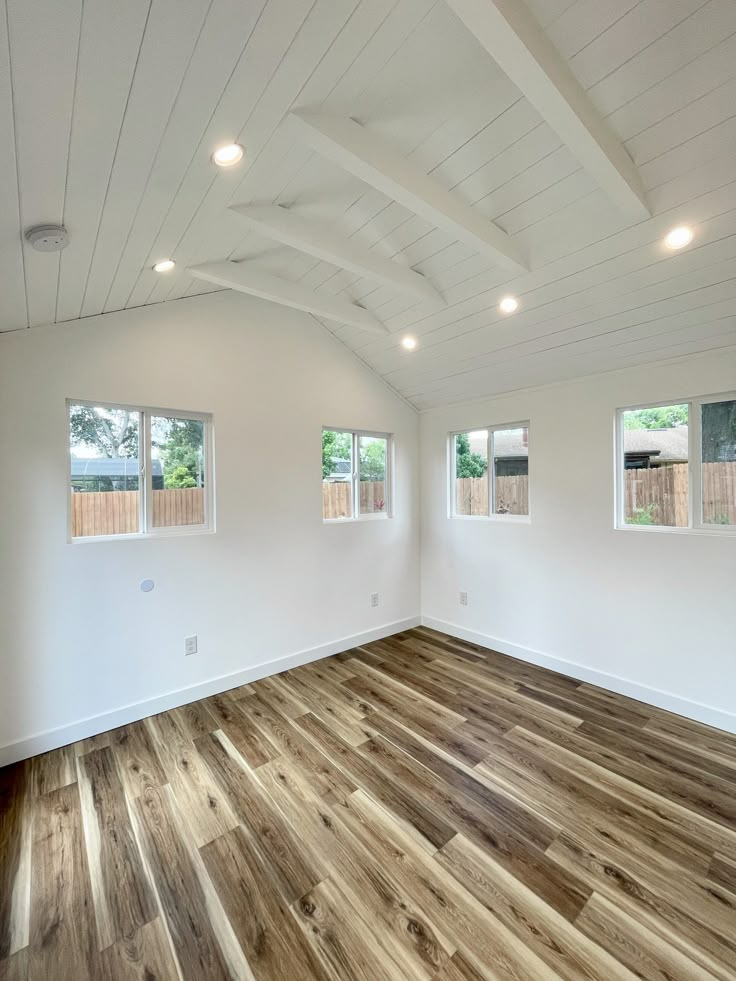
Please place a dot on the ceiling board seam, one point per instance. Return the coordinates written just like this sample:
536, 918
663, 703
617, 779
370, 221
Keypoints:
115, 156
68, 151
14, 113
155, 157
577, 380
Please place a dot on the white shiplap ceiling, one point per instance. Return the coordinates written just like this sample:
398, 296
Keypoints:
109, 112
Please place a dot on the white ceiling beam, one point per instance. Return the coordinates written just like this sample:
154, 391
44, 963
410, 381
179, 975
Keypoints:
365, 155
245, 278
516, 42
302, 233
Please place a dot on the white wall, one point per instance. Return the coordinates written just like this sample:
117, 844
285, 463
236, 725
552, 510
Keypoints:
649, 614
78, 638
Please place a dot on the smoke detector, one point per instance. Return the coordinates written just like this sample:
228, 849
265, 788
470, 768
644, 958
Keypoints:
48, 238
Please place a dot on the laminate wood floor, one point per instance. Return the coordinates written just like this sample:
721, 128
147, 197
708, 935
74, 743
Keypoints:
420, 808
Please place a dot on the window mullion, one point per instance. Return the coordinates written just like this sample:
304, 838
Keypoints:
147, 489
356, 475
695, 465
491, 476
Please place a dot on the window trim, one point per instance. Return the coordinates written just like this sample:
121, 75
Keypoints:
145, 479
357, 515
523, 519
695, 525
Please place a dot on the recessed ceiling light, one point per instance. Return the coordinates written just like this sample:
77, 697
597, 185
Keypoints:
226, 156
166, 265
508, 304
679, 237
409, 342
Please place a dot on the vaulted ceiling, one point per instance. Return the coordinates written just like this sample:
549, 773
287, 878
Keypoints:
110, 111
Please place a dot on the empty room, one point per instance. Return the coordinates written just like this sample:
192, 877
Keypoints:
368, 512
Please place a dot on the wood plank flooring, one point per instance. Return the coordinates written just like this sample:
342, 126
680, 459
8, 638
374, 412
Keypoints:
420, 809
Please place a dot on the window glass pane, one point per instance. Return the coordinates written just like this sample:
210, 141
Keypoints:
719, 462
656, 466
471, 472
337, 474
178, 475
105, 490
511, 468
373, 452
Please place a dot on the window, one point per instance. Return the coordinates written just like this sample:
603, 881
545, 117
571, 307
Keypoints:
356, 475
499, 490
677, 465
138, 471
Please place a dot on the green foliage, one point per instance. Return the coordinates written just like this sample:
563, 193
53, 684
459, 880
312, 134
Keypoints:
643, 516
468, 464
179, 477
665, 417
335, 446
719, 431
181, 448
112, 432
373, 460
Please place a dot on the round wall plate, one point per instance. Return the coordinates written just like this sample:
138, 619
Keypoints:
48, 238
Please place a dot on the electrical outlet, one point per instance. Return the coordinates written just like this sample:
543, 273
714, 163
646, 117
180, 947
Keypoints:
463, 599
190, 645
374, 599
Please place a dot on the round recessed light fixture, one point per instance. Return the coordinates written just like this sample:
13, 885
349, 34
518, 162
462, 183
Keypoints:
409, 342
679, 237
228, 155
508, 304
166, 265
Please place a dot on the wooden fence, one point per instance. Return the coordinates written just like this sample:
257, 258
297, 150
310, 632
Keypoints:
658, 496
336, 498
512, 495
662, 494
116, 512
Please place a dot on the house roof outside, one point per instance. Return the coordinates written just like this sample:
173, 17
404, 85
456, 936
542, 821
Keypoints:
100, 466
340, 466
667, 445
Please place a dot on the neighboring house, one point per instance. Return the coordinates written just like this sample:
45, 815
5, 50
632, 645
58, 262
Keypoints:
107, 474
647, 448
643, 448
341, 471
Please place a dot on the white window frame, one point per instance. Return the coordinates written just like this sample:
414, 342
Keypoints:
695, 523
145, 477
490, 475
357, 515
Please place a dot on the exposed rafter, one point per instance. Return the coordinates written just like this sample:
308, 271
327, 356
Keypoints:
514, 39
245, 278
302, 233
365, 155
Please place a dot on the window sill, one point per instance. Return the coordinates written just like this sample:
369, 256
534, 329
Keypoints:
511, 519
727, 531
358, 520
143, 536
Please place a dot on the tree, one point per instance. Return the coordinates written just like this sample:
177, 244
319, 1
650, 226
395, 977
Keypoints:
719, 431
468, 464
112, 432
335, 446
179, 477
181, 447
373, 460
665, 417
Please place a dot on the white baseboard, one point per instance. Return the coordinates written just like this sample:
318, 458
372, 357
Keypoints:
42, 742
718, 718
